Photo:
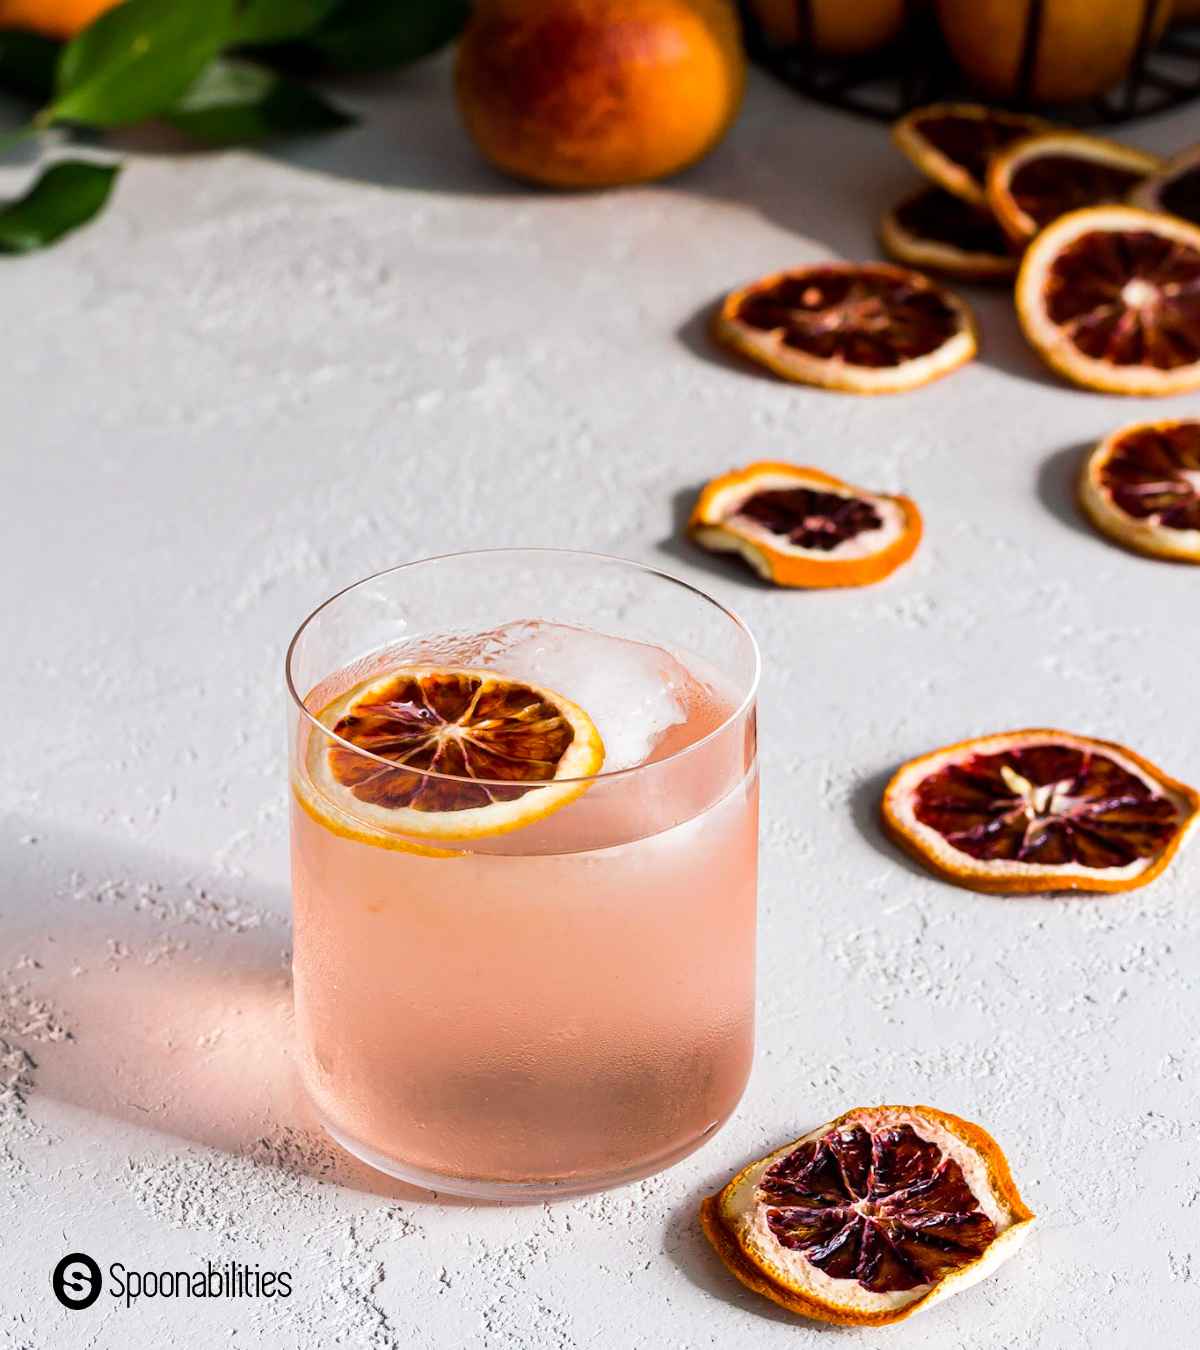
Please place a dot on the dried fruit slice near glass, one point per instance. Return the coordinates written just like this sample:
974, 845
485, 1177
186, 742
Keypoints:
936, 230
953, 143
1039, 810
1141, 487
450, 754
877, 1215
865, 328
1036, 180
1110, 298
1175, 188
801, 527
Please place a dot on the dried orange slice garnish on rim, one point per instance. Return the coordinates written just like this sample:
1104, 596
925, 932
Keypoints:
877, 1215
437, 753
953, 143
1039, 810
802, 527
1036, 180
1175, 188
1110, 298
934, 229
1141, 487
865, 328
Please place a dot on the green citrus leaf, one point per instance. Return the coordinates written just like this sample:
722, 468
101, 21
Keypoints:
27, 62
137, 60
368, 35
67, 195
237, 101
263, 21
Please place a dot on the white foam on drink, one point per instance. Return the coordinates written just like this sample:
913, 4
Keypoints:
633, 692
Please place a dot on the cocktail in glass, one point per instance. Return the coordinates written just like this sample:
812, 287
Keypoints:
560, 1004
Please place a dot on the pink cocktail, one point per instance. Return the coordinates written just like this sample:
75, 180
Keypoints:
567, 1002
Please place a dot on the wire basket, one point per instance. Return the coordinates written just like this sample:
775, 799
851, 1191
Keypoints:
917, 68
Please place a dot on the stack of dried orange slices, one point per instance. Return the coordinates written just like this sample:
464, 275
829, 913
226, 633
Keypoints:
424, 756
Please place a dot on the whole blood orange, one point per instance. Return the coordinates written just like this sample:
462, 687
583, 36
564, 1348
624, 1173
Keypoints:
1039, 810
873, 1217
831, 27
1080, 47
593, 93
54, 18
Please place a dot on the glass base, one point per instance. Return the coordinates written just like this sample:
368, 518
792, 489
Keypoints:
536, 1189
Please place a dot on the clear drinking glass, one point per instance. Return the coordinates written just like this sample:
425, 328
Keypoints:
569, 1005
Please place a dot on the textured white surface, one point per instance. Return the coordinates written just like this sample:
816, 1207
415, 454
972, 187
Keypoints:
258, 378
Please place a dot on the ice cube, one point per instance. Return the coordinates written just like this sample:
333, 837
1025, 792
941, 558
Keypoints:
632, 691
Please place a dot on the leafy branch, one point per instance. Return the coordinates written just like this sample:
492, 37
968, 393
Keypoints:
223, 72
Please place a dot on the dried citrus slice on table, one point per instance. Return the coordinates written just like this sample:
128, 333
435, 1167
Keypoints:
877, 1215
952, 143
1036, 180
1039, 810
802, 527
1141, 487
866, 328
450, 754
934, 229
1175, 188
1110, 298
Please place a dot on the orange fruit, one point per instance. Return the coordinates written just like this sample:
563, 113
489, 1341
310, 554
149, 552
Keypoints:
592, 93
1110, 298
934, 229
1036, 180
875, 1216
54, 18
1141, 487
1083, 47
865, 328
802, 527
833, 27
1175, 188
952, 143
1039, 810
447, 754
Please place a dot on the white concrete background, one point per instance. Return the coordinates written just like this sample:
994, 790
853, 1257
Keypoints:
260, 377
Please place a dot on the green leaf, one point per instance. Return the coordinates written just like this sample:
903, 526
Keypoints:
66, 196
369, 35
262, 21
27, 62
237, 101
137, 60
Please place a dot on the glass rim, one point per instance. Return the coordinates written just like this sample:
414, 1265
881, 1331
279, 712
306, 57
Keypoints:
584, 554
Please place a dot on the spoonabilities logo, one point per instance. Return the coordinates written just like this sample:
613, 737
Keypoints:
76, 1281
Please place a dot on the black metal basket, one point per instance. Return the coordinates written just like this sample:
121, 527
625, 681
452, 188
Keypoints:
917, 68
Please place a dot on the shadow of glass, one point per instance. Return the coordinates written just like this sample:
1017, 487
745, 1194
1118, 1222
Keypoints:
175, 996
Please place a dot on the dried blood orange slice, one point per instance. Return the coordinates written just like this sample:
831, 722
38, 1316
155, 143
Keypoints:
877, 1215
1110, 298
451, 754
1039, 810
1141, 487
868, 328
1175, 188
952, 143
934, 229
802, 527
1036, 180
